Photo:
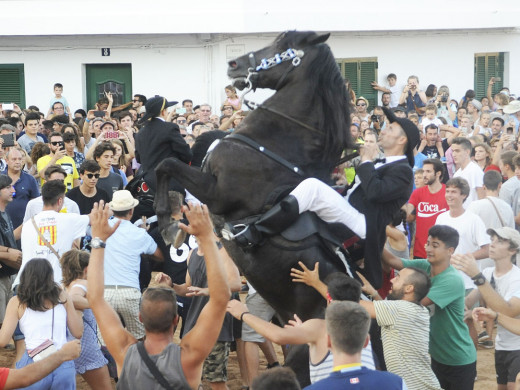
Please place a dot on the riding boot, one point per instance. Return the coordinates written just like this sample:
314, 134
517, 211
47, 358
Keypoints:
279, 217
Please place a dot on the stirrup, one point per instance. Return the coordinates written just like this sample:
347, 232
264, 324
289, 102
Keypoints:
230, 235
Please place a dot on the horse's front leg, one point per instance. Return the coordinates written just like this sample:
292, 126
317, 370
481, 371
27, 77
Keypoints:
198, 183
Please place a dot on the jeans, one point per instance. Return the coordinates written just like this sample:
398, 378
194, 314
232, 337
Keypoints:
62, 378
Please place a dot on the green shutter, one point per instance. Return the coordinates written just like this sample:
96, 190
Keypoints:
350, 70
12, 84
367, 74
487, 66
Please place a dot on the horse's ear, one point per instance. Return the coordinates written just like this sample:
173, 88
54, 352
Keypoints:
316, 39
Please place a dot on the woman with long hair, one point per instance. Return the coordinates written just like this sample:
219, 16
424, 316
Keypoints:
80, 141
482, 155
44, 312
91, 364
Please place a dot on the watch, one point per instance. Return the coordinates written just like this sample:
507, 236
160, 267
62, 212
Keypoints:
479, 279
97, 243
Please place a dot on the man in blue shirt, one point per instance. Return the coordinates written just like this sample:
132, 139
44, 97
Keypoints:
123, 261
25, 186
347, 328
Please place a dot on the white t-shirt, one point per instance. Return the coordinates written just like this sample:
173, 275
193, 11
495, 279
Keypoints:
35, 206
475, 177
485, 210
59, 229
507, 286
395, 93
425, 122
472, 235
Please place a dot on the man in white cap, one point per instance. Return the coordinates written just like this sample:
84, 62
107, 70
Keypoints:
499, 287
122, 262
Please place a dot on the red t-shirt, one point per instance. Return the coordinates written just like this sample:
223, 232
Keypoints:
4, 373
427, 207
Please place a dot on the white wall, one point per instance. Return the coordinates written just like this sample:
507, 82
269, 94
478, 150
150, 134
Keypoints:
180, 67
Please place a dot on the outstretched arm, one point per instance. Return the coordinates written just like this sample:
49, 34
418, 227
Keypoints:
303, 334
197, 344
32, 373
310, 278
117, 338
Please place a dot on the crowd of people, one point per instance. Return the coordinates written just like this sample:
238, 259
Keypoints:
433, 198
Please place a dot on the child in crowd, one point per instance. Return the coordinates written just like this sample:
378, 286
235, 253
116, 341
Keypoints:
392, 89
58, 97
483, 126
431, 117
419, 178
232, 98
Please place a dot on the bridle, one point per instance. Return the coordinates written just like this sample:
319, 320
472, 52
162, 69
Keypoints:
295, 56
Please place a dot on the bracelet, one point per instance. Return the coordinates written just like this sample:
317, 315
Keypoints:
87, 120
243, 314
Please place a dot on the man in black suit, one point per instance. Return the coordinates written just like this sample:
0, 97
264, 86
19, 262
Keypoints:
158, 140
380, 190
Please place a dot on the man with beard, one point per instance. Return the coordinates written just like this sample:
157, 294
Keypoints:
454, 358
405, 328
426, 203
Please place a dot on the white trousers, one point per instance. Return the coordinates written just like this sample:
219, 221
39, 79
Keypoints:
314, 195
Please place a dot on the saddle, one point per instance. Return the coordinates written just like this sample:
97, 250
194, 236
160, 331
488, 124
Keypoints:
308, 224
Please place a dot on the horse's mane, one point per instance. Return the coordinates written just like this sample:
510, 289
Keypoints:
326, 80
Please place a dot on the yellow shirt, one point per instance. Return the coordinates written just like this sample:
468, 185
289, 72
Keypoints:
68, 165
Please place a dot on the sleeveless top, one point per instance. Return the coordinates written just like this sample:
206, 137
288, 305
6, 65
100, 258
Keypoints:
404, 254
37, 326
197, 270
135, 373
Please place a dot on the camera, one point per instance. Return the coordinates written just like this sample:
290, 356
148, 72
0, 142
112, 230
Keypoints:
509, 130
444, 98
374, 118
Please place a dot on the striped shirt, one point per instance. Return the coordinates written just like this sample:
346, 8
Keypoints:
324, 368
405, 331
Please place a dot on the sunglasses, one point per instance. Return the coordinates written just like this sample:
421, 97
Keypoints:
181, 121
91, 175
361, 104
56, 143
135, 100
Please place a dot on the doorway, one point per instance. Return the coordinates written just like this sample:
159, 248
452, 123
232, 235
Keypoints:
115, 78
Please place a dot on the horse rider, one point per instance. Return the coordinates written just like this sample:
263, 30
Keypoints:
380, 189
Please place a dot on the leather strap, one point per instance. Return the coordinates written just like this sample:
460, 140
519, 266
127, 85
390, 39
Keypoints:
495, 207
152, 367
44, 239
273, 156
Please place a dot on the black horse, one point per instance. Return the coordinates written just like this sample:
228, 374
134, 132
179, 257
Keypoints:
300, 132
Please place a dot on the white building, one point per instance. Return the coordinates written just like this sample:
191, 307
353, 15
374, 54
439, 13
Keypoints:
180, 50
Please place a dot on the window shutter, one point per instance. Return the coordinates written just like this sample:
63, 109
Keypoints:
367, 74
350, 70
488, 65
480, 81
12, 84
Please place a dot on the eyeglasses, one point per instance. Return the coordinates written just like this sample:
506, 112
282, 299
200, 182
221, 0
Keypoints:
361, 104
91, 175
181, 121
56, 143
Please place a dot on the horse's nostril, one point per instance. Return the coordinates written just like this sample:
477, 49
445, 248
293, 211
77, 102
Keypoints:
232, 64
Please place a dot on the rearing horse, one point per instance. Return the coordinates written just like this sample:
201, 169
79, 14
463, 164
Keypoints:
299, 132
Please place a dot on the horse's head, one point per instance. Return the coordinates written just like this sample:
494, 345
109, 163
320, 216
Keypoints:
269, 67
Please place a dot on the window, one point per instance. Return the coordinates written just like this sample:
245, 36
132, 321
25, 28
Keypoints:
488, 65
12, 84
361, 72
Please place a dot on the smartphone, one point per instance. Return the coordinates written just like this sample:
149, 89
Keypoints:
100, 114
61, 145
8, 106
497, 78
8, 140
111, 135
509, 130
180, 111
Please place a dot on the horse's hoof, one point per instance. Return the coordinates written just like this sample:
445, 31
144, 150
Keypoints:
179, 238
170, 233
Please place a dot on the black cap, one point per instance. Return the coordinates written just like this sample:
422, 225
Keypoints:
398, 108
5, 181
155, 105
411, 131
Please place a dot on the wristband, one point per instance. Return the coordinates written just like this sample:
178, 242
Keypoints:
87, 120
243, 314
